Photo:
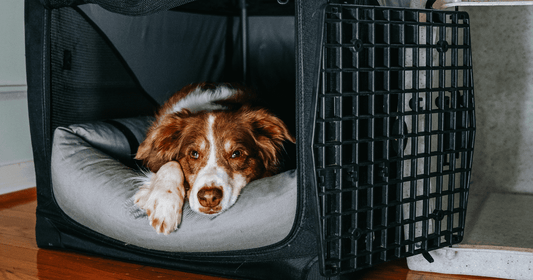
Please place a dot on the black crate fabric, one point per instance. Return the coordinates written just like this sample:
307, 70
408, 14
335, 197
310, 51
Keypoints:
394, 133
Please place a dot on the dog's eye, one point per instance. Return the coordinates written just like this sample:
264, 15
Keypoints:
194, 154
236, 154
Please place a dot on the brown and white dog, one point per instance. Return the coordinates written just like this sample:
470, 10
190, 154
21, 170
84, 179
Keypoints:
206, 143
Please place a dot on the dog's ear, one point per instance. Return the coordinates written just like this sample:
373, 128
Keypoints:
269, 133
163, 141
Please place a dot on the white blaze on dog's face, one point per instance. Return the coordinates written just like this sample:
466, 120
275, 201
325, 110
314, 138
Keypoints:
222, 151
217, 185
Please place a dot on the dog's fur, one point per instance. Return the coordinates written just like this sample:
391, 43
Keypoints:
206, 144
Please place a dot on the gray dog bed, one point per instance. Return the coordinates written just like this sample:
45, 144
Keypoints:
94, 188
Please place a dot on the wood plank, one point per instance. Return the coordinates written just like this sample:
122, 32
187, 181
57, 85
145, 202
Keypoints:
28, 208
17, 198
394, 270
18, 228
10, 275
86, 266
18, 242
51, 264
18, 263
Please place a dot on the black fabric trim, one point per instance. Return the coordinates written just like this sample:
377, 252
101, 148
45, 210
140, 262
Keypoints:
132, 141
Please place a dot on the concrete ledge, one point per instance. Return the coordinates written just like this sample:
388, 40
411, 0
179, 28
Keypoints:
498, 240
506, 264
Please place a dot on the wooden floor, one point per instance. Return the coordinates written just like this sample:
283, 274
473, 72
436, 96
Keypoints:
21, 259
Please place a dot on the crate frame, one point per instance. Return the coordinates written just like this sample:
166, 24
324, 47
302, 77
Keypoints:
392, 78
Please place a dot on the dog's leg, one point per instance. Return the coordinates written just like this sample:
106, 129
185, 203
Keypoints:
163, 199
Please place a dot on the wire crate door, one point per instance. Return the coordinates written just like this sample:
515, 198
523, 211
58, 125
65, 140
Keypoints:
394, 134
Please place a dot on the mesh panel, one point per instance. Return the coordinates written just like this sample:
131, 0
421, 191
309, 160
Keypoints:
394, 133
89, 81
128, 7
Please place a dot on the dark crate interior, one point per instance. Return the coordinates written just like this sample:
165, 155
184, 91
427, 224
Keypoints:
394, 133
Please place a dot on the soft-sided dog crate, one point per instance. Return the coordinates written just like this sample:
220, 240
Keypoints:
379, 98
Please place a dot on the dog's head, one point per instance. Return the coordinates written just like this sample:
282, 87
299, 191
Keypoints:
219, 152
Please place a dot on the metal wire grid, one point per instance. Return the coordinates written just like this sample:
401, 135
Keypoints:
394, 133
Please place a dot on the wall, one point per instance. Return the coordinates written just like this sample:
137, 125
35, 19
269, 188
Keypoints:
16, 165
502, 47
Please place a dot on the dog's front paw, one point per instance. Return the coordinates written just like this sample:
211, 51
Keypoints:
164, 210
163, 199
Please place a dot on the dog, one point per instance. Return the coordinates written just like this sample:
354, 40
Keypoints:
206, 144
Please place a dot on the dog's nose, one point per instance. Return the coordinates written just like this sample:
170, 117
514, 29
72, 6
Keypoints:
210, 196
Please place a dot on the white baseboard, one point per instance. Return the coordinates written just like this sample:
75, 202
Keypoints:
12, 89
16, 177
